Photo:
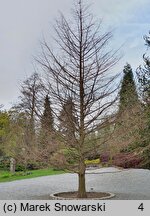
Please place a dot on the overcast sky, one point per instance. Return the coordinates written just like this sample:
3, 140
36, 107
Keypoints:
24, 22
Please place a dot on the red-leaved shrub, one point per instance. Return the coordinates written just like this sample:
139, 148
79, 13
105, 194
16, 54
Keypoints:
127, 160
104, 157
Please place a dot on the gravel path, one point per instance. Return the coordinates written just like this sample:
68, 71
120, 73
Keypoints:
126, 184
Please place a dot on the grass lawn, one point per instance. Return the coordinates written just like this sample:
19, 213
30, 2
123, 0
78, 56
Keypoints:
6, 176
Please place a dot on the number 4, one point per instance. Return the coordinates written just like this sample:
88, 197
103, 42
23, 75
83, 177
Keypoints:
141, 207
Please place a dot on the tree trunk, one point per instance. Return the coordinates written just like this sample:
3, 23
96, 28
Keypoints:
81, 185
12, 165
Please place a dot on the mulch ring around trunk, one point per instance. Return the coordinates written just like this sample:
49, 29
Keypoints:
73, 195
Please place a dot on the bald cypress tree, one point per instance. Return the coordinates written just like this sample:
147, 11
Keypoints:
81, 70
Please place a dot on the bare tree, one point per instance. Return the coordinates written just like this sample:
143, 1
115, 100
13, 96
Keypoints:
31, 102
32, 95
81, 71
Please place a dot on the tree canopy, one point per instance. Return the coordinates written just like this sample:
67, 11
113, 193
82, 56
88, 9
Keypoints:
81, 71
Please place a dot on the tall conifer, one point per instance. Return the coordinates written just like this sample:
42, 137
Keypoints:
128, 93
47, 117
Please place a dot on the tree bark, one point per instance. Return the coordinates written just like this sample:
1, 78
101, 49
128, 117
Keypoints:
81, 185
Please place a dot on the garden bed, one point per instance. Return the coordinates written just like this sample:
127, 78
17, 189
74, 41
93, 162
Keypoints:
73, 195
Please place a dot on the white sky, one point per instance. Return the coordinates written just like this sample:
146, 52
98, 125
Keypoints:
24, 22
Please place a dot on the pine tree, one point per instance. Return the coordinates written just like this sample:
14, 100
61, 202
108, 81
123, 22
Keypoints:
47, 117
128, 93
129, 108
68, 121
46, 131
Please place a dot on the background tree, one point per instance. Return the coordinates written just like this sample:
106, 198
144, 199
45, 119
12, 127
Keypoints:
128, 122
132, 133
32, 93
47, 141
4, 125
47, 121
68, 122
11, 136
129, 109
15, 139
128, 94
143, 74
82, 71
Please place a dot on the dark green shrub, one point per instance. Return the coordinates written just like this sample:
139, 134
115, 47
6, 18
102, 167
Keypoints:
4, 163
33, 166
20, 168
